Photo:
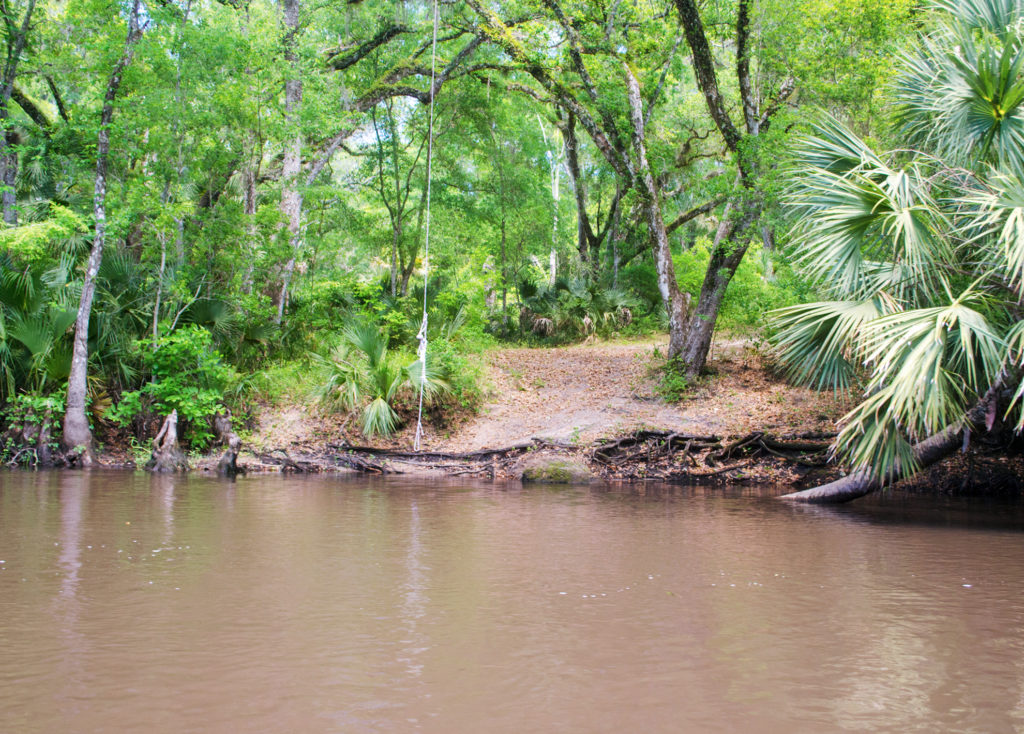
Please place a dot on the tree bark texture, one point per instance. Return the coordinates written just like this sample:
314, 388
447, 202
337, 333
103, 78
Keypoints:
228, 464
726, 255
291, 197
76, 441
585, 239
167, 456
704, 69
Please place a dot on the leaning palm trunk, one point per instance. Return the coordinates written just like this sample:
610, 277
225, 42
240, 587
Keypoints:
76, 441
927, 452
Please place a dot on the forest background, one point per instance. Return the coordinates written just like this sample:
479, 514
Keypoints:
212, 204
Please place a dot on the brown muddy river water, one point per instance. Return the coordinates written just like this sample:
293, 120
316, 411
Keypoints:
131, 603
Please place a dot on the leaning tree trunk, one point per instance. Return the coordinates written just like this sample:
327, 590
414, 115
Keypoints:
76, 442
927, 452
676, 302
726, 256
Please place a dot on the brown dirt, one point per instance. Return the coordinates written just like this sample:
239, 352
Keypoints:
583, 393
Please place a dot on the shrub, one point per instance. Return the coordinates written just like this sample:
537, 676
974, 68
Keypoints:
361, 371
27, 419
188, 375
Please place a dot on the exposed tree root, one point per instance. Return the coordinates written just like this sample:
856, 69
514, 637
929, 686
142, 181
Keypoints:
643, 455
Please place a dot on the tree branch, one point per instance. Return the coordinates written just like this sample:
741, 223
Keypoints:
32, 110
704, 68
775, 105
57, 99
340, 62
743, 67
607, 141
574, 48
694, 213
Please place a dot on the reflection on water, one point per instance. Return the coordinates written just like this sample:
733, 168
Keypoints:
163, 604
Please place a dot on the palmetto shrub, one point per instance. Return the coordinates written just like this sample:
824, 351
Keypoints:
361, 374
919, 252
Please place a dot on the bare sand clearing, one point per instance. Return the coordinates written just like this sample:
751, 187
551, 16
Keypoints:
591, 391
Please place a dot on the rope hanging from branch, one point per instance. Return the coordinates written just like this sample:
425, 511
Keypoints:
421, 351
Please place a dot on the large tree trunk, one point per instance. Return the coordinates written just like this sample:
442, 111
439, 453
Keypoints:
676, 302
927, 452
731, 245
76, 441
291, 197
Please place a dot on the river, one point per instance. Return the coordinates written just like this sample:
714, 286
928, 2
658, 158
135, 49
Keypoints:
131, 603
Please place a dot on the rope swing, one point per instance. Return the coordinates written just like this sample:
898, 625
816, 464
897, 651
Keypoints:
421, 351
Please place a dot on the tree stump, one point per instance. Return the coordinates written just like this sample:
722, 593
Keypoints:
228, 464
167, 456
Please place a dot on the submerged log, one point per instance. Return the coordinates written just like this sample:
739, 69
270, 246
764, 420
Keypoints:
167, 456
927, 452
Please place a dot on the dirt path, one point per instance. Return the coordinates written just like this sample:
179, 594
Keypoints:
585, 392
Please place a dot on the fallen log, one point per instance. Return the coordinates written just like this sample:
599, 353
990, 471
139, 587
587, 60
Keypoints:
402, 454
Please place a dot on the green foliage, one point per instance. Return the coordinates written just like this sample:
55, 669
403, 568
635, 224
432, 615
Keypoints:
760, 285
196, 236
34, 242
35, 315
361, 371
920, 253
25, 417
573, 308
672, 384
188, 375
462, 374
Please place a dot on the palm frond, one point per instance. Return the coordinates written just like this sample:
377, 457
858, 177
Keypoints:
340, 389
817, 343
961, 89
929, 365
379, 418
870, 212
434, 384
369, 340
1000, 221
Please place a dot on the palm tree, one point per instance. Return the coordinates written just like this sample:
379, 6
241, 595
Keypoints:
920, 253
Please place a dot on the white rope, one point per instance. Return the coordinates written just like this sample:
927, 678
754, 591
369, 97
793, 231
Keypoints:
421, 351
